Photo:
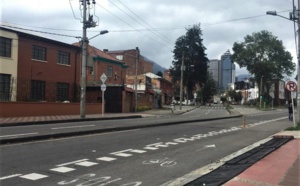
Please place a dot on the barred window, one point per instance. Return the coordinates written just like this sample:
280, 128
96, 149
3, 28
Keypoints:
63, 58
109, 71
5, 47
37, 91
62, 91
39, 53
4, 87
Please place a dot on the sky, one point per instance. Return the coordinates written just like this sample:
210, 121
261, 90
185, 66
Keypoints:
154, 25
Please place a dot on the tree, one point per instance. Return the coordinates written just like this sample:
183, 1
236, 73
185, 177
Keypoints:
264, 56
195, 61
159, 73
209, 89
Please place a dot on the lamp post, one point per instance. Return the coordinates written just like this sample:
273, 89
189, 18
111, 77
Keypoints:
295, 17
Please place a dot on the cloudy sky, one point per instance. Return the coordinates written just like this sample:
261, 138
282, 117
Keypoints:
154, 25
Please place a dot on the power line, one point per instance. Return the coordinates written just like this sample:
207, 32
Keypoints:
157, 34
157, 29
39, 31
133, 27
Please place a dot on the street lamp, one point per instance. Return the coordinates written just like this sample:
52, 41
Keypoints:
295, 17
101, 33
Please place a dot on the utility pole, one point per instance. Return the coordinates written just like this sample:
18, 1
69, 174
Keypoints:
86, 24
135, 80
181, 80
298, 64
295, 17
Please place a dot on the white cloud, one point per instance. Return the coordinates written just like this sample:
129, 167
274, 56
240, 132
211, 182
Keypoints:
220, 21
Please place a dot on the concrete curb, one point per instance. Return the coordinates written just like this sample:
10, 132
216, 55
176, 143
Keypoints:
66, 121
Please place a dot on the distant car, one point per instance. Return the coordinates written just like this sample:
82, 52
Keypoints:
233, 103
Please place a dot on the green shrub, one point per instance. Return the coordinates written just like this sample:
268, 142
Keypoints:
143, 108
294, 128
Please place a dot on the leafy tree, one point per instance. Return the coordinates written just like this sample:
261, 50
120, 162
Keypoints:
209, 88
264, 56
236, 96
159, 73
190, 48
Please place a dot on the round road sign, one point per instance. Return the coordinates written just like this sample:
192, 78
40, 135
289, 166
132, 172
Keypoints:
291, 86
103, 87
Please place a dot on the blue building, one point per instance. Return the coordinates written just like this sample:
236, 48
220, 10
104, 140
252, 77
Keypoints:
227, 71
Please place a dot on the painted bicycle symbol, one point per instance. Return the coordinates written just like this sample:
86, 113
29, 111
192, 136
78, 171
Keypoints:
166, 162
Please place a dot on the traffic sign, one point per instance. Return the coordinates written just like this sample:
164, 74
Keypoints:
291, 86
103, 78
103, 87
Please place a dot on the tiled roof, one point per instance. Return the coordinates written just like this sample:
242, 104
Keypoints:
93, 51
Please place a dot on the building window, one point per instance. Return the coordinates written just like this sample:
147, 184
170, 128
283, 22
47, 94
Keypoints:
5, 47
39, 53
63, 58
119, 57
37, 91
62, 91
4, 87
109, 71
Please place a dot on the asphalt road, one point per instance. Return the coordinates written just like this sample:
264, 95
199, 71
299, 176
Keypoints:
48, 129
149, 156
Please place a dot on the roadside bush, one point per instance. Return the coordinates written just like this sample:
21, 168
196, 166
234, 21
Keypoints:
294, 128
143, 108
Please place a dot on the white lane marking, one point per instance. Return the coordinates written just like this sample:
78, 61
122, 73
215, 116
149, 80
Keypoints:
15, 135
34, 176
139, 151
73, 162
62, 169
263, 122
86, 163
81, 126
106, 159
10, 176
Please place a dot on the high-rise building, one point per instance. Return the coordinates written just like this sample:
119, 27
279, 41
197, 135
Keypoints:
213, 68
226, 71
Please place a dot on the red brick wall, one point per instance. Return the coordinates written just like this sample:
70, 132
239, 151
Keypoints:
23, 109
148, 66
100, 67
49, 70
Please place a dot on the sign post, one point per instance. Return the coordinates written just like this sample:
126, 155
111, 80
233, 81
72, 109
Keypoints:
292, 86
103, 88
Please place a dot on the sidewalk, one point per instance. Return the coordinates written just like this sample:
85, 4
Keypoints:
30, 120
280, 168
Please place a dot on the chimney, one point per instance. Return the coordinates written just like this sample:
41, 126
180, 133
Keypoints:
105, 50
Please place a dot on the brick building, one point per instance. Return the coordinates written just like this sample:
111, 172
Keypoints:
47, 70
129, 57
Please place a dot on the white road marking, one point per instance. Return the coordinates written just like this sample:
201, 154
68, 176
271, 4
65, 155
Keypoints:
10, 176
73, 162
106, 159
86, 163
34, 176
81, 126
139, 151
15, 135
62, 169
